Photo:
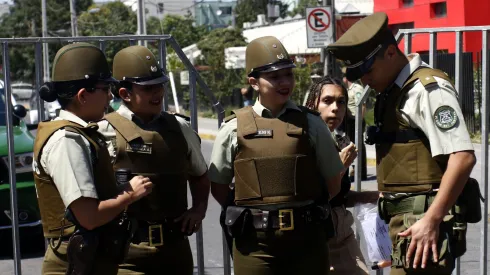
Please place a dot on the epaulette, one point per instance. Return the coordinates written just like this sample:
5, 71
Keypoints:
426, 76
308, 110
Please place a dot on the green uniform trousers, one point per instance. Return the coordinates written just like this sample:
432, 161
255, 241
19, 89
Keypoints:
172, 258
295, 252
398, 224
55, 263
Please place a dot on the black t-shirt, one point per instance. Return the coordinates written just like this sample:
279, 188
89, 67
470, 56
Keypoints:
345, 185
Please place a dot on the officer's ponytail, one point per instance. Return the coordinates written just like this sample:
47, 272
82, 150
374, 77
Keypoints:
65, 91
47, 92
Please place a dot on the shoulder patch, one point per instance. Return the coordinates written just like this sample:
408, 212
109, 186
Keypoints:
308, 110
445, 117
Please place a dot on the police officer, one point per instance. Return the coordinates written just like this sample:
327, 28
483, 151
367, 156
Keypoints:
423, 150
285, 166
162, 146
72, 169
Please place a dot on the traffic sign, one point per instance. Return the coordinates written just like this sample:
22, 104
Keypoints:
319, 29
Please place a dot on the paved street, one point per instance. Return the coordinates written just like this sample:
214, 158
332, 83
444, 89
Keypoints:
213, 258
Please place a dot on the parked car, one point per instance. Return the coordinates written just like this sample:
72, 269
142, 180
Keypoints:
28, 209
22, 91
50, 109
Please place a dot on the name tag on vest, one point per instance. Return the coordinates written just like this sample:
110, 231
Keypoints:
264, 133
143, 148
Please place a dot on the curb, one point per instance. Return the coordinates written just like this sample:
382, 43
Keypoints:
207, 136
371, 162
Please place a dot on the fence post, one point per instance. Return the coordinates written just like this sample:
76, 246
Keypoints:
162, 52
39, 80
408, 43
102, 45
193, 107
11, 160
484, 153
433, 49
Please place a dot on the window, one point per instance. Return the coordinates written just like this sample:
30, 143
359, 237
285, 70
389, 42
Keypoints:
438, 10
160, 7
406, 3
225, 10
396, 27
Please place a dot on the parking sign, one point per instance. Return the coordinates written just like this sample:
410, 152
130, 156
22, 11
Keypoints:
319, 30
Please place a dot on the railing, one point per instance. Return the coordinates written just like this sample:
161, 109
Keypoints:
194, 79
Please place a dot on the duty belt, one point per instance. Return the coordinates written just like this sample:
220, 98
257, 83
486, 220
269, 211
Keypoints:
416, 204
286, 219
157, 233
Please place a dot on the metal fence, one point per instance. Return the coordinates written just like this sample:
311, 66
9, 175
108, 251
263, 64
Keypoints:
195, 79
407, 35
101, 41
447, 63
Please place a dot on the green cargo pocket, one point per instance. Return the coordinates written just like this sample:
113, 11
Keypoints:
445, 246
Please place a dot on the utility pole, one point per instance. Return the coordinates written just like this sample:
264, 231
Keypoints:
45, 45
73, 13
333, 23
141, 20
326, 58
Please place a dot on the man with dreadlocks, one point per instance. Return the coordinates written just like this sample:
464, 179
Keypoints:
329, 97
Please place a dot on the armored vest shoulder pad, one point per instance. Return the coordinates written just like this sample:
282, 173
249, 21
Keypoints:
308, 110
188, 119
230, 117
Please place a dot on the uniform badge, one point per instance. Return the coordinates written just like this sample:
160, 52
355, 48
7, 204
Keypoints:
445, 117
154, 68
143, 148
264, 133
280, 56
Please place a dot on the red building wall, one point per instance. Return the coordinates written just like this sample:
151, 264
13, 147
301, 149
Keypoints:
421, 14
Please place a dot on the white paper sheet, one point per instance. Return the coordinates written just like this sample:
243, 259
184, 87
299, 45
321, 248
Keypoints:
375, 232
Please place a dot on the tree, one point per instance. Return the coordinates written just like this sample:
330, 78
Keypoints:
180, 27
302, 77
113, 18
24, 20
220, 80
302, 5
247, 10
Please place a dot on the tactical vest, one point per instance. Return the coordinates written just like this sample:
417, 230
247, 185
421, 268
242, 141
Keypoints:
275, 162
50, 203
403, 155
161, 156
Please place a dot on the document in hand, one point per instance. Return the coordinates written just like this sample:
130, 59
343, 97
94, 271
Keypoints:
375, 232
